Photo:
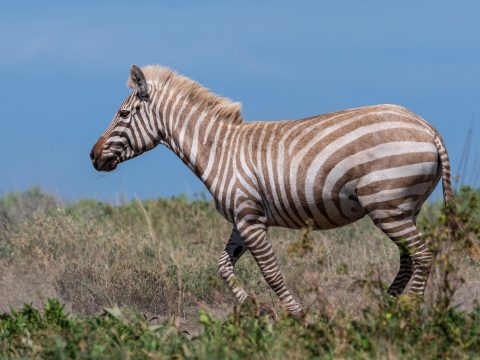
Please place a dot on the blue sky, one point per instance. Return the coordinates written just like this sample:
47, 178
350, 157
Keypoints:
63, 70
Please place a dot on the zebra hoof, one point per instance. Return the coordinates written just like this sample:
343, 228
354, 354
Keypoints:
298, 315
409, 301
263, 310
252, 307
247, 307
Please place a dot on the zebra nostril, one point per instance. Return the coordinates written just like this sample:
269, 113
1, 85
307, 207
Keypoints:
96, 152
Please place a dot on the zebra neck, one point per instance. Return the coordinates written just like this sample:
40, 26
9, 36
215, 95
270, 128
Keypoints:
200, 140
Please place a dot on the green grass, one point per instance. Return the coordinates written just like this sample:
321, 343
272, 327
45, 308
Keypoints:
153, 266
395, 331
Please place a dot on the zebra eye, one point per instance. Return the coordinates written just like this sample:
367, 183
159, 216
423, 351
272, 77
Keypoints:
124, 113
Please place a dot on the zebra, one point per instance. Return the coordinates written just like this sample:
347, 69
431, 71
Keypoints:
320, 172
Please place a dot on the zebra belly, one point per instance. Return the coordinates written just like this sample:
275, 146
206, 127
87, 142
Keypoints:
392, 190
294, 213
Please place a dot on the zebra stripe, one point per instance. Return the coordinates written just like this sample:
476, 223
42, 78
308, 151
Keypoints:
320, 172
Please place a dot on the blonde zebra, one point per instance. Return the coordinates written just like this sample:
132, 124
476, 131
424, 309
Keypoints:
324, 172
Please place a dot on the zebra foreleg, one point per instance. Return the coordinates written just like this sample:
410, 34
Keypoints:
234, 249
256, 240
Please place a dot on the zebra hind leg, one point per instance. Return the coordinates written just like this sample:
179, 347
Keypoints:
415, 257
234, 249
404, 274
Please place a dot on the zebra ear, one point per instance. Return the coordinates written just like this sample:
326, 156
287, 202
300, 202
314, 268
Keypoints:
139, 81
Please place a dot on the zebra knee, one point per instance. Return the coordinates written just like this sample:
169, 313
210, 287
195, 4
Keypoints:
423, 259
225, 268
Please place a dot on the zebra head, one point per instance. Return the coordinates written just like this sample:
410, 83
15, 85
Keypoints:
127, 136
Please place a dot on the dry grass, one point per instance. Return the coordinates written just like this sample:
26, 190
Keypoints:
159, 257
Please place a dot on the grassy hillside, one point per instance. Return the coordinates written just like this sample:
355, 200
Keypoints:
156, 261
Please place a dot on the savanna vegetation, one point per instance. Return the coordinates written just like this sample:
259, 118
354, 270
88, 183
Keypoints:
139, 280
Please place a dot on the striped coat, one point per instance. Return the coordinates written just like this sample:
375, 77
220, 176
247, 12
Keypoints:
322, 172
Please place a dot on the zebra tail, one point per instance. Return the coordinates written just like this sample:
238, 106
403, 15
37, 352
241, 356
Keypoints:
472, 249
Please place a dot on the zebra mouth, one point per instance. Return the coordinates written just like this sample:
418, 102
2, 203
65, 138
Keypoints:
110, 165
107, 164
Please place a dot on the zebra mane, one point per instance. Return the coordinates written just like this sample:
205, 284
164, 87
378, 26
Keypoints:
222, 107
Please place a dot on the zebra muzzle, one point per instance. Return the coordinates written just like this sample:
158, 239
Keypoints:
99, 160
